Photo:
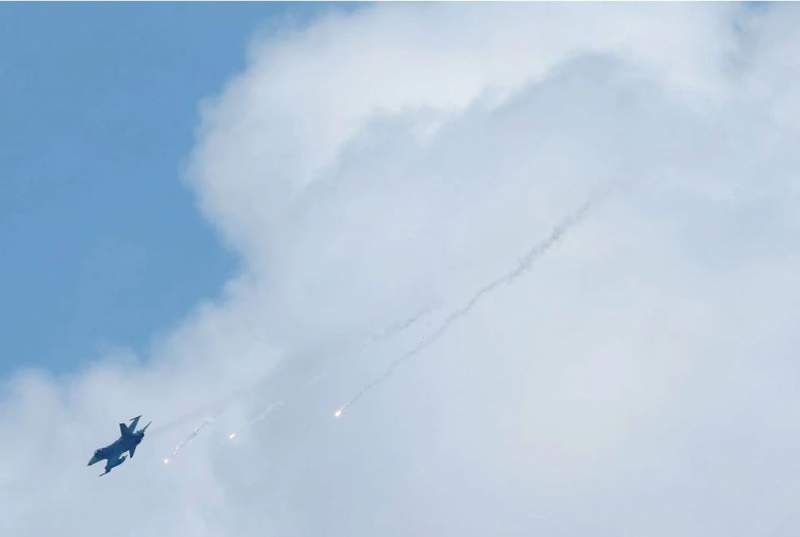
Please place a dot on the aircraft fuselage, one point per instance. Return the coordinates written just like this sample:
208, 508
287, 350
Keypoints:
115, 453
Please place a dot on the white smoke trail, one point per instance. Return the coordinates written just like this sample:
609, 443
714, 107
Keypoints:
374, 339
264, 414
534, 253
206, 422
221, 406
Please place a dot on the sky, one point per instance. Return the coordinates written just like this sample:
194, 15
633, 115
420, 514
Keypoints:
102, 244
467, 270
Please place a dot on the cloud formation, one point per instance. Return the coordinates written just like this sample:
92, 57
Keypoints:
638, 380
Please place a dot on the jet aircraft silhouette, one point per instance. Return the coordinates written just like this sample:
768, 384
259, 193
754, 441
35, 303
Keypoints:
113, 453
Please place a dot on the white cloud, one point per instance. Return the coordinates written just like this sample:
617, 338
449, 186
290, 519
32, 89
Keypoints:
638, 381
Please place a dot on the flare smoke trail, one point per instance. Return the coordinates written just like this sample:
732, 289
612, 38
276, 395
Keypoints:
375, 338
267, 411
189, 438
210, 410
260, 417
536, 251
220, 406
398, 327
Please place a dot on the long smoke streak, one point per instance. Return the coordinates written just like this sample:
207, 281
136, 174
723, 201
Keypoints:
220, 406
189, 438
535, 252
264, 414
375, 338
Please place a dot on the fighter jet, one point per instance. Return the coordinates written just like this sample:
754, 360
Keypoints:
113, 454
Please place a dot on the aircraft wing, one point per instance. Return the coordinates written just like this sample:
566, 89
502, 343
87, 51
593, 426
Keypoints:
132, 451
113, 463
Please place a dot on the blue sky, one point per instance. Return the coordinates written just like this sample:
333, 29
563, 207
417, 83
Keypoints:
641, 378
100, 242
